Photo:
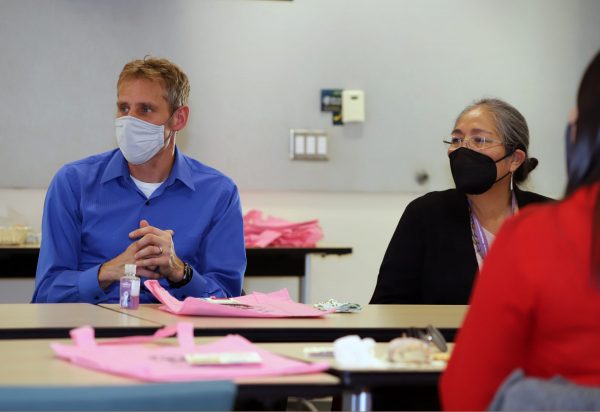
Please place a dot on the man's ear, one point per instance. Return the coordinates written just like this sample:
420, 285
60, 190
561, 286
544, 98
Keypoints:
180, 118
518, 157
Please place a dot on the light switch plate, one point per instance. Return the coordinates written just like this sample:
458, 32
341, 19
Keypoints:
308, 144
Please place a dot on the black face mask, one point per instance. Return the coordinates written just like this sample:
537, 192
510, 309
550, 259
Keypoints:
578, 157
473, 172
569, 150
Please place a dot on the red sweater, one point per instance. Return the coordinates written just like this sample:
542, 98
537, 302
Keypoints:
535, 306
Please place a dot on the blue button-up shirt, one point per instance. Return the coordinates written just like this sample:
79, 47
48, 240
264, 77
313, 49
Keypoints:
92, 205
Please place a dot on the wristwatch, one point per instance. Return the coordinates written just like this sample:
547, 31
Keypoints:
187, 276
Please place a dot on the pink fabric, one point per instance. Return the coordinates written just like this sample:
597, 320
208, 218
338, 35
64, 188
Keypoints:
272, 231
255, 305
165, 363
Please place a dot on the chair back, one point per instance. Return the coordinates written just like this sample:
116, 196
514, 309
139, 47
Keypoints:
521, 393
179, 396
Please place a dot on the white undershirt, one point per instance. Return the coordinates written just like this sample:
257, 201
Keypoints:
490, 239
146, 188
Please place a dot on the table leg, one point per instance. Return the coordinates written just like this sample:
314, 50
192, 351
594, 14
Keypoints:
357, 401
304, 280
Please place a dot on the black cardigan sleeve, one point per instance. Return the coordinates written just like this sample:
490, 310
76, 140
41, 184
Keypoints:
400, 274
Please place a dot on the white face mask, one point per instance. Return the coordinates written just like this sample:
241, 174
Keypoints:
138, 140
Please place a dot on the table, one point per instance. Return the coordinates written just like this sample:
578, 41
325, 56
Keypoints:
380, 322
20, 261
23, 320
32, 362
357, 382
43, 321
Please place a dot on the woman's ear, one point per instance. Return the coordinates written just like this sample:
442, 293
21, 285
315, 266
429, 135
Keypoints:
518, 157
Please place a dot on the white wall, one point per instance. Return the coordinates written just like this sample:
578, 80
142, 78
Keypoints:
362, 221
256, 69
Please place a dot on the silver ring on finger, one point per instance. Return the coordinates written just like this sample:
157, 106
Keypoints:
161, 250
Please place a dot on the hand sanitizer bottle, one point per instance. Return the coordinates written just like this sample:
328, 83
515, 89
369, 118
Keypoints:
129, 292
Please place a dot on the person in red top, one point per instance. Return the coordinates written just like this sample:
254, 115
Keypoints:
536, 303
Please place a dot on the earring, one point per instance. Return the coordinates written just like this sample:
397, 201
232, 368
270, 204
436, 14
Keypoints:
511, 181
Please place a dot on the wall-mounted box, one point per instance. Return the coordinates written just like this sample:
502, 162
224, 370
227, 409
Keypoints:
346, 106
353, 106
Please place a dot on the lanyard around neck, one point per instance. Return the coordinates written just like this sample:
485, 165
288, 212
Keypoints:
479, 238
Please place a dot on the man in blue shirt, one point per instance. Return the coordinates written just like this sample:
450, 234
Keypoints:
146, 203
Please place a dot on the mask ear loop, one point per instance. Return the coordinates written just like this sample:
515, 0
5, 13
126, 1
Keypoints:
514, 149
172, 132
512, 187
168, 141
510, 153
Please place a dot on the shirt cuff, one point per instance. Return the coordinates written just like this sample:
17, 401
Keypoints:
197, 287
89, 288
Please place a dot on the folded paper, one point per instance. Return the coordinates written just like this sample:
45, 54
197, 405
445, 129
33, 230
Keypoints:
276, 232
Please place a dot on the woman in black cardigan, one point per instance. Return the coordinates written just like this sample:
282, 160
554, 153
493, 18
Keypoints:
443, 237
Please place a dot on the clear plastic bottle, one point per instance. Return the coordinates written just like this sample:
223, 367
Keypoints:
129, 291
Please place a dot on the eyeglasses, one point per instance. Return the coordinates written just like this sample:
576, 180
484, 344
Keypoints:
430, 334
473, 142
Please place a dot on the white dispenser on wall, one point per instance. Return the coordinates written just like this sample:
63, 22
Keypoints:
353, 106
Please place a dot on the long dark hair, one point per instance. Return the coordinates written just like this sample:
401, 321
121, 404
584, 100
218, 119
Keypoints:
584, 161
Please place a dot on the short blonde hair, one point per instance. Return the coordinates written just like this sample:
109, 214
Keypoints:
174, 80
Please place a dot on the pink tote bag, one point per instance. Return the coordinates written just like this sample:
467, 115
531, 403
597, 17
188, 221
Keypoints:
139, 358
255, 305
277, 232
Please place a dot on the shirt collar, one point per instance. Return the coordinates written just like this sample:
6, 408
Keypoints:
117, 167
181, 171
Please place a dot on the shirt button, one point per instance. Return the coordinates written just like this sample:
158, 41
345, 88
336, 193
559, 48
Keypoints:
147, 202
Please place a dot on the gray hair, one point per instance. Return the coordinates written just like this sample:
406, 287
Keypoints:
513, 130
